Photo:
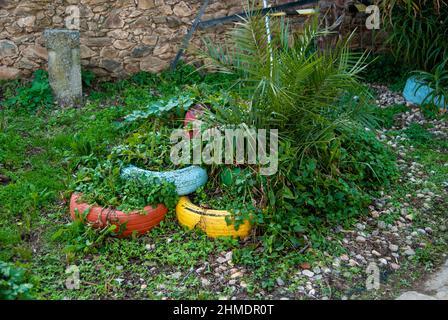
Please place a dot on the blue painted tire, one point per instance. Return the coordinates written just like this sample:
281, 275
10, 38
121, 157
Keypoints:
416, 91
186, 180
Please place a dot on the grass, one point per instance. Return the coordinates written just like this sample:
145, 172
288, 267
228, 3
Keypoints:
39, 153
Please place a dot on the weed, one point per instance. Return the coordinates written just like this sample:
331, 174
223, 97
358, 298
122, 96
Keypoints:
34, 97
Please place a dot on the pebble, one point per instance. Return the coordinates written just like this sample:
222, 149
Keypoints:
375, 214
409, 252
280, 282
360, 226
394, 266
205, 282
422, 231
221, 260
376, 253
344, 257
236, 275
308, 273
393, 247
353, 263
360, 239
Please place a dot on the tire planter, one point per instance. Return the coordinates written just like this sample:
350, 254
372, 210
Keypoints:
100, 217
416, 91
212, 222
192, 115
186, 180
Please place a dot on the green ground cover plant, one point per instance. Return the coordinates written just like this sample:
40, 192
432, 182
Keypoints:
417, 31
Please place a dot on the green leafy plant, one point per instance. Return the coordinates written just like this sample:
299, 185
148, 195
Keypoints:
104, 186
418, 134
300, 80
386, 116
417, 31
13, 283
328, 162
177, 105
35, 96
88, 77
81, 237
149, 147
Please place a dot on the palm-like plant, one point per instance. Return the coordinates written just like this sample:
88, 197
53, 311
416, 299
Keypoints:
290, 84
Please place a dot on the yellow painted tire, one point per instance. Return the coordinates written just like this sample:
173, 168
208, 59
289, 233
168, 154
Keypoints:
212, 222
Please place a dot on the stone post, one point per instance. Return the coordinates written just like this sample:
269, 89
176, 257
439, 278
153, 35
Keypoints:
64, 65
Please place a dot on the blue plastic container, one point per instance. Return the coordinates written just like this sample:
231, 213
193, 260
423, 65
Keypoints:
416, 91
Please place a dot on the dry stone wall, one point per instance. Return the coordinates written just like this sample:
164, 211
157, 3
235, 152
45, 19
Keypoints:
118, 37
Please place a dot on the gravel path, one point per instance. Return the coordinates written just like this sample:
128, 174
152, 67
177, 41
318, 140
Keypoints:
436, 285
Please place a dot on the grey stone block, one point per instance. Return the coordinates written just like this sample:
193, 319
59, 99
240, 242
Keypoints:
64, 65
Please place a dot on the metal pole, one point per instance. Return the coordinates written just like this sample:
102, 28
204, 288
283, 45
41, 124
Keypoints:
269, 35
189, 35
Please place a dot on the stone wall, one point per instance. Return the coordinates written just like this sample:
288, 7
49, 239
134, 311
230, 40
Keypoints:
118, 37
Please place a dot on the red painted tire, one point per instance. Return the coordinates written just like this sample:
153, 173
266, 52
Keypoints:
100, 217
191, 116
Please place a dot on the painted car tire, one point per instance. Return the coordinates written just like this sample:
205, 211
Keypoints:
186, 180
416, 91
100, 217
193, 115
212, 222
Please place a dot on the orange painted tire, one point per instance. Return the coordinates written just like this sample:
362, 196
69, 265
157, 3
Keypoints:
100, 217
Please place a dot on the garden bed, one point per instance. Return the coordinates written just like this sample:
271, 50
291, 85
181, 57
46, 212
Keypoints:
403, 231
